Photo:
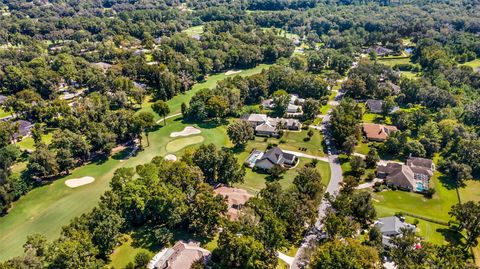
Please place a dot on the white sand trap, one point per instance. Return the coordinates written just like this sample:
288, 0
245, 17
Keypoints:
189, 130
77, 182
232, 72
170, 157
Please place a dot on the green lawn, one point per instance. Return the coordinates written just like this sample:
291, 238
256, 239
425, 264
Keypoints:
392, 61
471, 192
46, 209
388, 203
362, 148
27, 143
254, 181
4, 113
125, 254
194, 30
409, 74
473, 64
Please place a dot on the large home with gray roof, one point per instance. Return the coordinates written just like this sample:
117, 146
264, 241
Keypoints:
270, 127
412, 176
392, 227
275, 156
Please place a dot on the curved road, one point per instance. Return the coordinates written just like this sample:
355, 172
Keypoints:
333, 187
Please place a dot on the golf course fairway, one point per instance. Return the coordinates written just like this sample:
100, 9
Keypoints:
45, 210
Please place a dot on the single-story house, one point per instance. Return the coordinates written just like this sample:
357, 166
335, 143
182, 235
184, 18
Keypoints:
255, 119
392, 227
181, 256
275, 156
268, 104
287, 124
375, 106
413, 176
378, 132
380, 51
266, 129
294, 108
266, 126
24, 128
295, 100
235, 199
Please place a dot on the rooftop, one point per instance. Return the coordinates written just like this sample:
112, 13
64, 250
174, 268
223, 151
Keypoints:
378, 131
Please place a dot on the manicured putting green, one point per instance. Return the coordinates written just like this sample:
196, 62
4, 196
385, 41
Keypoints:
181, 143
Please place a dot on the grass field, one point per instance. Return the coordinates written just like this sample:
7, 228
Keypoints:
473, 64
194, 30
46, 209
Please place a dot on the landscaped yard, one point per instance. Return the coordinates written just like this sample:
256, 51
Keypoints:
254, 181
125, 254
27, 143
46, 209
388, 203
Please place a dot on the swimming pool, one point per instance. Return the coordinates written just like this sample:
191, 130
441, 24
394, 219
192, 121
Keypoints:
253, 157
420, 186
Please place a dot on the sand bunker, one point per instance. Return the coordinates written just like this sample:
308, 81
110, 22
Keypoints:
189, 130
170, 157
232, 72
77, 182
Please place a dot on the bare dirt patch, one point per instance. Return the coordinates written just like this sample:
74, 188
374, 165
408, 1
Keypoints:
77, 182
189, 130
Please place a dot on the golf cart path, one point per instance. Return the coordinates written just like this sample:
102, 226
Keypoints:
169, 117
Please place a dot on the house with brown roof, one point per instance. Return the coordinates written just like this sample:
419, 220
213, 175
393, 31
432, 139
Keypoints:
378, 132
181, 256
412, 176
235, 199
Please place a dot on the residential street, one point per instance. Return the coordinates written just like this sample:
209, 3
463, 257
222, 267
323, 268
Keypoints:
332, 188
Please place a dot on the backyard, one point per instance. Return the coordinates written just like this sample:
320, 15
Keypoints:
254, 181
390, 202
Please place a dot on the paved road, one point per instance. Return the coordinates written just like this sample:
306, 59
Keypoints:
332, 188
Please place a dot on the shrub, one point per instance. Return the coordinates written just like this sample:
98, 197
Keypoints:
310, 133
141, 259
306, 139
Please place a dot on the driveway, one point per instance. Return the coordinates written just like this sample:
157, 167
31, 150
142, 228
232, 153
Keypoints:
369, 184
303, 155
